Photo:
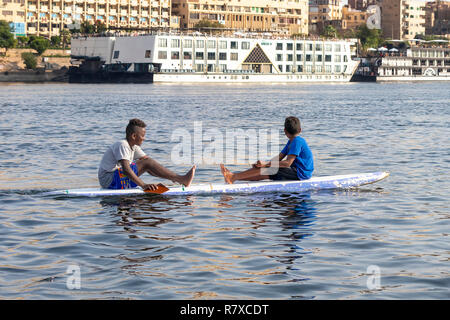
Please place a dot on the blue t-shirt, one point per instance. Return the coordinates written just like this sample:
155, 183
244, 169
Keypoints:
303, 162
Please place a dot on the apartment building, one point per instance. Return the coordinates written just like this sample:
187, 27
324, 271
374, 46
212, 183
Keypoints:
323, 13
289, 16
13, 11
352, 18
437, 18
362, 4
48, 17
403, 19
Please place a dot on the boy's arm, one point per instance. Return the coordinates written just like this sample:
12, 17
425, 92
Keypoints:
266, 164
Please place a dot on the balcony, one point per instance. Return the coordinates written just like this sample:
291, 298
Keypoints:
165, 15
56, 19
68, 9
56, 10
155, 14
134, 13
124, 2
67, 20
112, 11
123, 12
31, 8
101, 11
43, 9
90, 10
134, 3
31, 30
112, 2
155, 4
144, 4
144, 13
91, 1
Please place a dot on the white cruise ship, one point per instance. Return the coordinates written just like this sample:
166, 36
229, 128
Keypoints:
209, 58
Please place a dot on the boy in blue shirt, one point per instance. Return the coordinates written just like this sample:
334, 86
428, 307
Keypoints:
298, 164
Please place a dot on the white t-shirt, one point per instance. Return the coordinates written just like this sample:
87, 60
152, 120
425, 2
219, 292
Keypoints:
110, 162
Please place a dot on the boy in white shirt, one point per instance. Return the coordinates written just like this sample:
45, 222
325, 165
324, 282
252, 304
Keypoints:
124, 161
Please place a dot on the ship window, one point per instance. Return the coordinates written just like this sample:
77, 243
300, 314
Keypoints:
175, 43
318, 57
245, 45
210, 67
162, 42
328, 58
308, 57
148, 53
234, 56
211, 44
337, 47
222, 67
289, 57
162, 54
288, 68
328, 47
116, 55
211, 56
280, 67
199, 55
200, 43
345, 58
289, 46
318, 47
327, 69
309, 47
279, 57
175, 55
279, 46
187, 55
233, 45
299, 46
188, 43
309, 69
199, 67
222, 56
222, 44
319, 68
299, 57
337, 68
299, 68
337, 58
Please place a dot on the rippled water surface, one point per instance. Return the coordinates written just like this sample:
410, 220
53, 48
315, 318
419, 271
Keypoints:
265, 246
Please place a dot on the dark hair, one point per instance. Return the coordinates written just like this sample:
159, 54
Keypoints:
132, 125
292, 125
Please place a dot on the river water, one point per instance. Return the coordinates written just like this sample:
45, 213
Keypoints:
389, 240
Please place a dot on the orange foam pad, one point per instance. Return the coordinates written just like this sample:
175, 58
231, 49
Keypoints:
161, 189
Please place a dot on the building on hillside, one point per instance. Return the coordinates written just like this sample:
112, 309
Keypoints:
362, 4
323, 13
259, 15
352, 18
403, 19
13, 11
48, 17
437, 18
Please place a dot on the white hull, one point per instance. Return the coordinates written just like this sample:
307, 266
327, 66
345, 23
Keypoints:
409, 78
247, 78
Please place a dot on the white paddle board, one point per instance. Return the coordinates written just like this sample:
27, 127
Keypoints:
316, 183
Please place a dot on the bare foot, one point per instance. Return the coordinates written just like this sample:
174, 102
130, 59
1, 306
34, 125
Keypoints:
227, 175
188, 177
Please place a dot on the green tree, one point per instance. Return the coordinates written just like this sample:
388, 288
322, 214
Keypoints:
29, 59
40, 45
7, 40
87, 28
55, 40
100, 27
369, 37
23, 40
329, 32
65, 37
208, 24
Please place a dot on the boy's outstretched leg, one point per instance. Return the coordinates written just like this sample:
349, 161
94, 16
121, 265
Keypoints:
155, 169
253, 174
